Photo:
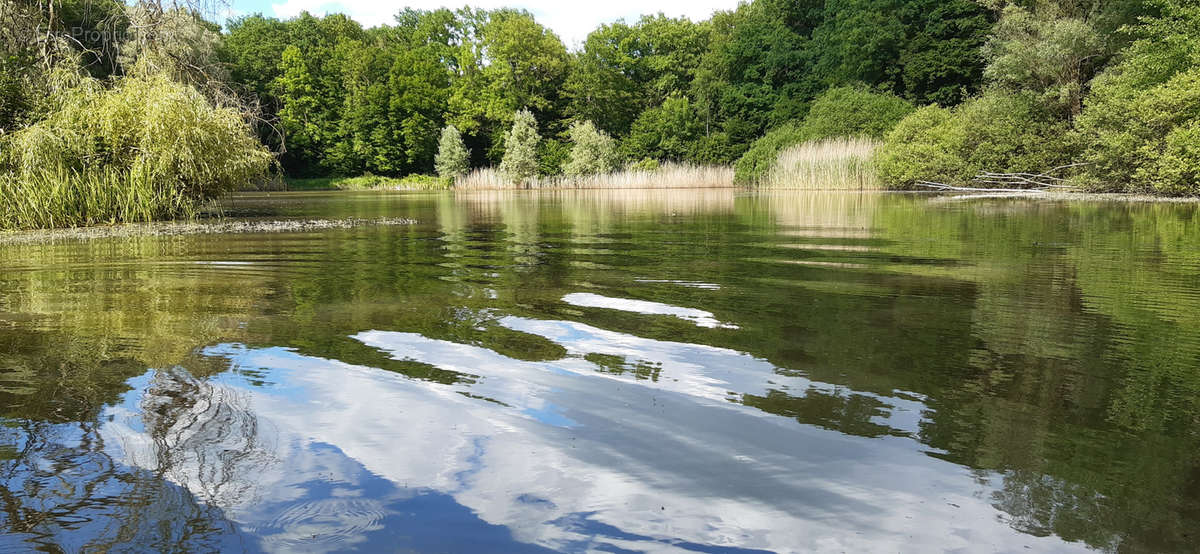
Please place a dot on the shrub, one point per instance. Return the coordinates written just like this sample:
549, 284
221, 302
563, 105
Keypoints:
999, 132
854, 112
669, 132
520, 162
593, 151
925, 146
453, 159
839, 112
552, 156
147, 149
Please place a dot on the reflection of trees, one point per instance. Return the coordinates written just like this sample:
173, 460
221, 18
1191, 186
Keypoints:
205, 437
61, 490
1080, 384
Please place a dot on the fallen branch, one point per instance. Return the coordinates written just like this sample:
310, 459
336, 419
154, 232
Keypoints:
943, 186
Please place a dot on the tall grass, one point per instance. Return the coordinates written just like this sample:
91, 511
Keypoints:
832, 164
59, 196
670, 175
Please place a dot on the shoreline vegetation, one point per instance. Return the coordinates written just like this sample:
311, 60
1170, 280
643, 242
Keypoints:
177, 228
116, 112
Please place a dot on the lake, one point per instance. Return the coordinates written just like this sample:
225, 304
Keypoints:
611, 371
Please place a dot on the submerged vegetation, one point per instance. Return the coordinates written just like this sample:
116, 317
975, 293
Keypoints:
1105, 93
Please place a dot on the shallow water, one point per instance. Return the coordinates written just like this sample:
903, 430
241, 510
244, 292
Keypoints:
675, 371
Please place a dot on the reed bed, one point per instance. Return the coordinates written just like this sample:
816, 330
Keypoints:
65, 197
832, 164
668, 176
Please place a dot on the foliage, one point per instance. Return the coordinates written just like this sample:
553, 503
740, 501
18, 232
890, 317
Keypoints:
553, 155
1139, 124
925, 146
624, 69
839, 112
453, 159
1000, 132
149, 148
1053, 57
175, 42
665, 132
593, 151
520, 161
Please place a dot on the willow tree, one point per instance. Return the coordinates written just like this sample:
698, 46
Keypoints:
592, 151
453, 158
520, 161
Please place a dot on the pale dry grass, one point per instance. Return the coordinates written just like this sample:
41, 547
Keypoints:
833, 164
669, 176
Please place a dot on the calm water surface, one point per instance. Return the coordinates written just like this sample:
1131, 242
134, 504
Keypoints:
611, 372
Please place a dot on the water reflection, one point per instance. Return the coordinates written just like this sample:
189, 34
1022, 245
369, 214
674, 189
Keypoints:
605, 370
571, 461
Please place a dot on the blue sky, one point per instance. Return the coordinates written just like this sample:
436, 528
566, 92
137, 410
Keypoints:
571, 20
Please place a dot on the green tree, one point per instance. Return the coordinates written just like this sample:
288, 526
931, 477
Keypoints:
520, 161
505, 61
453, 159
253, 48
592, 151
671, 131
302, 109
1043, 52
1139, 125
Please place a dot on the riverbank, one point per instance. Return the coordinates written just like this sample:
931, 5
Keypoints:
368, 182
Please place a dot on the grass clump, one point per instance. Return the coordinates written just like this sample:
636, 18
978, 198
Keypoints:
833, 164
144, 150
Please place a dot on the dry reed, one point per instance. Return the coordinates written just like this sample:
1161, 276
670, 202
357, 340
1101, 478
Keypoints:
670, 175
833, 164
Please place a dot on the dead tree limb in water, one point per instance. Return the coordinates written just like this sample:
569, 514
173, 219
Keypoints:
1016, 182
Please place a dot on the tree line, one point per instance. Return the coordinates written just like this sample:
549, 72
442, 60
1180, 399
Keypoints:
1104, 91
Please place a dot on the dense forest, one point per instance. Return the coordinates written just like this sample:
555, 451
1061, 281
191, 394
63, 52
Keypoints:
139, 111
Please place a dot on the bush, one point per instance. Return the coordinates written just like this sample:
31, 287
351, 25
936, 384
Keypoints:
1137, 134
758, 160
853, 112
666, 132
999, 132
147, 149
552, 157
925, 146
593, 151
841, 112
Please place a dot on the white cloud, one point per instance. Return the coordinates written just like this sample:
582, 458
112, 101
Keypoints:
572, 21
